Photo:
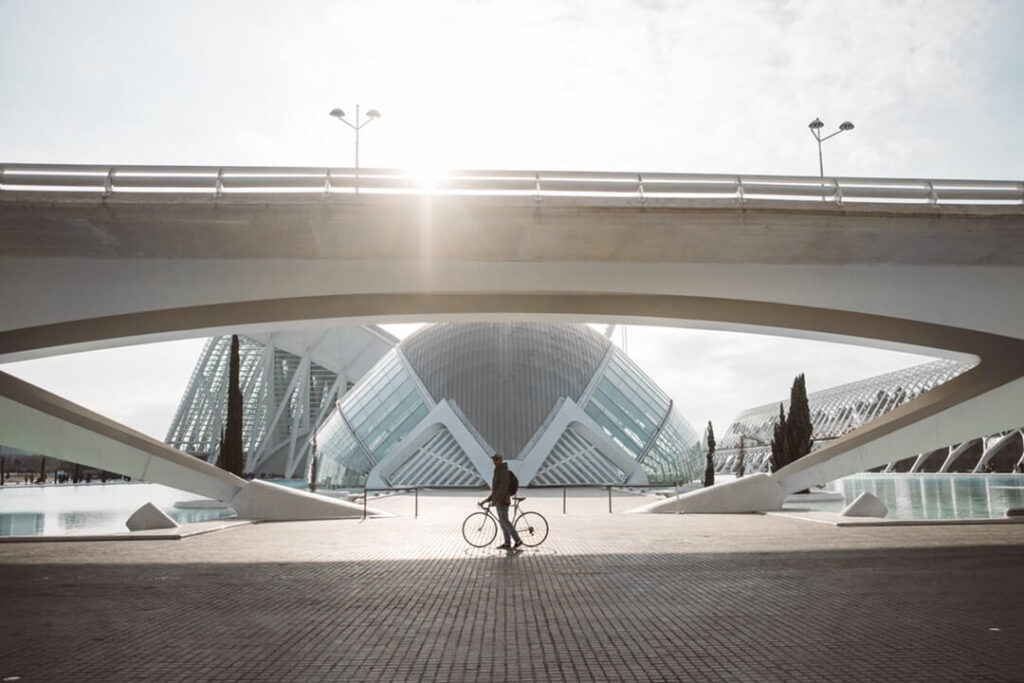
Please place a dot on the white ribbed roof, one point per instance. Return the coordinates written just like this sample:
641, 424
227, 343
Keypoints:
505, 377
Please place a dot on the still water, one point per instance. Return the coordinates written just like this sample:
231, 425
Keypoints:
67, 509
932, 496
61, 510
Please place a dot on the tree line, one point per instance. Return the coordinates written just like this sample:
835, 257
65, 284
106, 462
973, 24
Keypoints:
792, 435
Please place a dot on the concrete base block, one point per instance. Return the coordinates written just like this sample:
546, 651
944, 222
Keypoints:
273, 503
865, 505
748, 494
149, 516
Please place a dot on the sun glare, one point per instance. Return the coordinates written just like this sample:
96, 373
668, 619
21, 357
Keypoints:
429, 175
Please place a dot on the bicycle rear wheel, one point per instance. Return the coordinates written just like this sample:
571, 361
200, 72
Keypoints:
532, 528
479, 529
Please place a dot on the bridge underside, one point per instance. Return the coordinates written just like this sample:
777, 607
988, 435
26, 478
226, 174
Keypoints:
984, 399
941, 283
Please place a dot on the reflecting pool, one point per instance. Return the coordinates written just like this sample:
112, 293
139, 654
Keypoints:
68, 509
931, 496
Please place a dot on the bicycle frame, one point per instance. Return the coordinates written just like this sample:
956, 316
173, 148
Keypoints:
535, 528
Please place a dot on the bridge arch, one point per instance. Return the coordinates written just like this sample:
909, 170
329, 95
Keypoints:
946, 409
117, 268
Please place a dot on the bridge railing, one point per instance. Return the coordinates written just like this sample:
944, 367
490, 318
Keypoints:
640, 187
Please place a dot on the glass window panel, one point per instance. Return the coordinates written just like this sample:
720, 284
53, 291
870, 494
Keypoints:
676, 455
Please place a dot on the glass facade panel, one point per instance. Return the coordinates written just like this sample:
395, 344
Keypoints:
382, 409
675, 457
387, 405
626, 405
341, 461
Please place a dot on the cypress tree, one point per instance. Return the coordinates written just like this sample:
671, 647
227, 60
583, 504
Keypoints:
313, 473
798, 423
779, 442
709, 470
231, 449
741, 464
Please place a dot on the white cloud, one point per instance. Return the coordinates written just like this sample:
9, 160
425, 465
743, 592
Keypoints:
682, 86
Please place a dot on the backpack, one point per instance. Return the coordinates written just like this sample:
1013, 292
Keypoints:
513, 483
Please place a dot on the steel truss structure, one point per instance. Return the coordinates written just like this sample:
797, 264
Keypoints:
289, 382
841, 409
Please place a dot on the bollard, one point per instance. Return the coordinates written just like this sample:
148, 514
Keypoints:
609, 500
416, 514
563, 500
364, 504
677, 498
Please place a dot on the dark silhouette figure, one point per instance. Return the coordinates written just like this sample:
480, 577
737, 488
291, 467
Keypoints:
501, 498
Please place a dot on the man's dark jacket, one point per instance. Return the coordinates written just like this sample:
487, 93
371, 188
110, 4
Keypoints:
500, 485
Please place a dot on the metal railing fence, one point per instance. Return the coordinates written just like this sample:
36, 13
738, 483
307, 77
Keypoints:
639, 187
523, 491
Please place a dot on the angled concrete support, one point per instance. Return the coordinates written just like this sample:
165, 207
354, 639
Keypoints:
747, 494
37, 421
918, 461
991, 451
270, 502
955, 453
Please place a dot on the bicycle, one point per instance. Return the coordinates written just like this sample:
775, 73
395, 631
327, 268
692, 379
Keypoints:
480, 528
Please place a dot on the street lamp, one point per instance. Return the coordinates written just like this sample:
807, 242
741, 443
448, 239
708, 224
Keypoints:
816, 125
371, 115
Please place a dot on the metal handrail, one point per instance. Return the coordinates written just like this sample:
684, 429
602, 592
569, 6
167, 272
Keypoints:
222, 181
414, 489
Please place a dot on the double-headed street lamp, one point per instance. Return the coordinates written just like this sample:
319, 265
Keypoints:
371, 115
816, 125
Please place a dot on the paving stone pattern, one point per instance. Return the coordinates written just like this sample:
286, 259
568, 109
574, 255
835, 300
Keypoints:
606, 598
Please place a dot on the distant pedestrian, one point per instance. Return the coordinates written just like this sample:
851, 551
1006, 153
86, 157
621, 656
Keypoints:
501, 498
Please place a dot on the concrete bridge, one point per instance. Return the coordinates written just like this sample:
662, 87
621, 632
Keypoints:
96, 256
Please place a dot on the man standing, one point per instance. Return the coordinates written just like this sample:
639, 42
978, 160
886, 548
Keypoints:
500, 498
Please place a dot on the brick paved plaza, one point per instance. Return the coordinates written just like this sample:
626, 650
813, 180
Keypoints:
606, 598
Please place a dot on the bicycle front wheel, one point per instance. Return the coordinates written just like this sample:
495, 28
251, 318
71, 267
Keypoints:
532, 528
479, 529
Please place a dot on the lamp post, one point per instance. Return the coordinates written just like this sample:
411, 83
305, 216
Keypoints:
816, 125
371, 115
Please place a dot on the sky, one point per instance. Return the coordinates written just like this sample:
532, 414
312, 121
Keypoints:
724, 86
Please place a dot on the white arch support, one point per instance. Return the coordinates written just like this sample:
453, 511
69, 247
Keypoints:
440, 417
37, 421
568, 414
956, 453
991, 451
591, 256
